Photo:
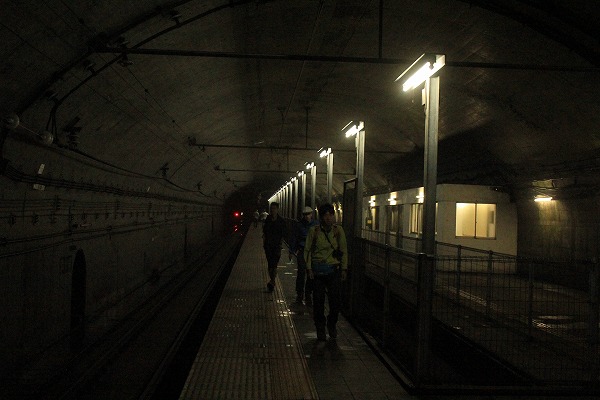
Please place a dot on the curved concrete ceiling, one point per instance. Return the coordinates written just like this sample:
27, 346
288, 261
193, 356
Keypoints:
217, 97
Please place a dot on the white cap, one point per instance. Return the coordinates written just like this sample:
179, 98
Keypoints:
307, 210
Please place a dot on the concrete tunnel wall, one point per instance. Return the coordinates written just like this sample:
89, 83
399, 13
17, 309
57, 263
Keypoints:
128, 245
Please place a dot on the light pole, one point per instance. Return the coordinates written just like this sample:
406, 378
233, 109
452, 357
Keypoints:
283, 207
302, 175
422, 70
357, 128
295, 205
288, 198
326, 152
313, 184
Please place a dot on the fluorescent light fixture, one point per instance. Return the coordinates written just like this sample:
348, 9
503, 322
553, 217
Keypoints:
324, 152
353, 127
423, 68
310, 165
300, 173
542, 199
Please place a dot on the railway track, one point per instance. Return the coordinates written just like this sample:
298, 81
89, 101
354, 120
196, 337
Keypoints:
132, 360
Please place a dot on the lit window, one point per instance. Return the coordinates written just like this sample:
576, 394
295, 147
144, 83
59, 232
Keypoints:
416, 218
476, 220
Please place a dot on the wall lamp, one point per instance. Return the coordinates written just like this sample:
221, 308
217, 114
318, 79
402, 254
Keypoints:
424, 67
300, 173
309, 165
542, 199
324, 152
353, 127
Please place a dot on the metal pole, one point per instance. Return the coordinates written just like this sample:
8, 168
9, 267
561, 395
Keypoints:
313, 186
303, 201
282, 204
432, 105
329, 177
289, 200
286, 201
360, 167
295, 208
386, 296
424, 301
281, 199
530, 289
427, 264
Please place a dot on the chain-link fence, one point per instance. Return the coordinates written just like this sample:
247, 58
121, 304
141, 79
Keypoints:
496, 320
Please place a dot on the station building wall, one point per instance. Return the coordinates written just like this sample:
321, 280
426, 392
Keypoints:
448, 195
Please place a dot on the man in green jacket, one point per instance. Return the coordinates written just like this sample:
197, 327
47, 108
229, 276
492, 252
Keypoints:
326, 258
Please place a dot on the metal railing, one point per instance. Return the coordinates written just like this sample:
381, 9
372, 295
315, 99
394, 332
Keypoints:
526, 323
394, 239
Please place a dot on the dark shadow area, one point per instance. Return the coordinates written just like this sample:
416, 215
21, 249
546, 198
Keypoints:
463, 158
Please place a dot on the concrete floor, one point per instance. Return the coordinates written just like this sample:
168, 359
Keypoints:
262, 345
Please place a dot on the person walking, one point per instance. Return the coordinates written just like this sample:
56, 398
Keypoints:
326, 256
304, 286
274, 231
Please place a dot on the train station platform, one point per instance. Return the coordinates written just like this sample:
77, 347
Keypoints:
262, 345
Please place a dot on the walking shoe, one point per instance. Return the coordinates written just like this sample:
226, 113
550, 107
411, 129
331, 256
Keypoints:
270, 287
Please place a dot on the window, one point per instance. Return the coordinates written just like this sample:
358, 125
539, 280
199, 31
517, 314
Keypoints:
375, 218
476, 220
392, 224
416, 218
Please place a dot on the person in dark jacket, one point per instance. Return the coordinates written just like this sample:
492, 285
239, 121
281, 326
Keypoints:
304, 287
274, 231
